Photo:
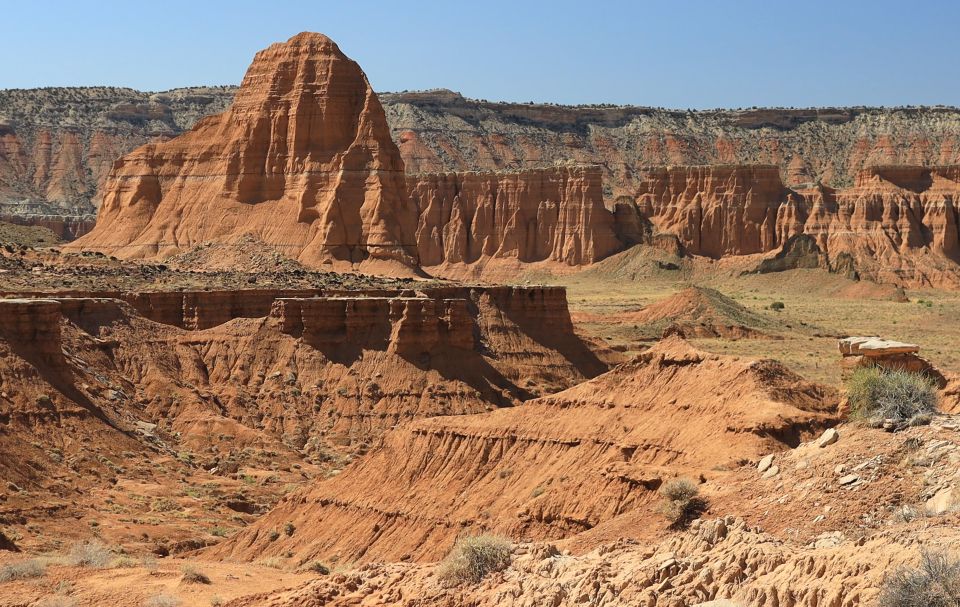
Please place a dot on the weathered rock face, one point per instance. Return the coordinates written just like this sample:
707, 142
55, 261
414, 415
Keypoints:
896, 224
715, 210
673, 409
554, 214
407, 325
303, 161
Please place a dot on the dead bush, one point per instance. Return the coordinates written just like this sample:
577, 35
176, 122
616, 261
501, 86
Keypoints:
681, 501
936, 583
191, 575
24, 570
90, 554
473, 558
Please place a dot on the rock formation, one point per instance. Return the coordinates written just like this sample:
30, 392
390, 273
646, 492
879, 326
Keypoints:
302, 161
554, 467
857, 352
896, 224
554, 215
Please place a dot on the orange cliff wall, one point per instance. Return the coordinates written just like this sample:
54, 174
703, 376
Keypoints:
540, 215
896, 224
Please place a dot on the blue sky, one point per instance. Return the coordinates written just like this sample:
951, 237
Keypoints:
684, 53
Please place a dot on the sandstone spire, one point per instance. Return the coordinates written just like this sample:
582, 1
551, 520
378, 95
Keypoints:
302, 161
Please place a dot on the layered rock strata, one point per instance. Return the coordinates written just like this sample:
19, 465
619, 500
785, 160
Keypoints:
554, 214
302, 161
554, 467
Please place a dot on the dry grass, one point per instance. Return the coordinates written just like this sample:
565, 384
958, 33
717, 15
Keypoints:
90, 554
877, 394
162, 600
191, 575
936, 583
24, 570
473, 558
681, 502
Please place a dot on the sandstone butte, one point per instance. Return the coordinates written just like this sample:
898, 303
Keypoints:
302, 160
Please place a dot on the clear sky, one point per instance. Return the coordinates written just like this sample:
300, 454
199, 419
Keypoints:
681, 53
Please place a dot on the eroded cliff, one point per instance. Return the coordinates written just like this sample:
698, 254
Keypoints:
302, 161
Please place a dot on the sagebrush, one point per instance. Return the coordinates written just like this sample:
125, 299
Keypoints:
24, 570
473, 558
681, 501
877, 394
935, 583
90, 554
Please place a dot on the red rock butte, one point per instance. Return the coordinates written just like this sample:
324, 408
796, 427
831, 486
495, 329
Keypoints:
303, 161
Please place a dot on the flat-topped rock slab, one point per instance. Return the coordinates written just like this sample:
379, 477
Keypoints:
875, 346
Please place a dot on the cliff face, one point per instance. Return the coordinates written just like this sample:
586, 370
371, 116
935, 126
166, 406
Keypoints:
442, 131
302, 160
896, 224
58, 145
554, 214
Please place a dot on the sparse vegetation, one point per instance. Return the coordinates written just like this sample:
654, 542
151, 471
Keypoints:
936, 583
473, 558
90, 554
877, 394
162, 600
681, 501
24, 570
192, 575
318, 567
777, 306
56, 601
289, 528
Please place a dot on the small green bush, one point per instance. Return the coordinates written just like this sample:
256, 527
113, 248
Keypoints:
23, 570
877, 394
936, 583
473, 558
681, 501
777, 305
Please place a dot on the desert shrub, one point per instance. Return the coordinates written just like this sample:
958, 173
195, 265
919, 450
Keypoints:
289, 528
472, 558
318, 567
777, 305
191, 575
90, 554
936, 583
681, 501
56, 601
24, 570
162, 600
877, 394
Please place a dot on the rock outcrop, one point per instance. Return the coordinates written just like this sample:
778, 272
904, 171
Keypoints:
553, 215
551, 468
857, 352
896, 224
302, 161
